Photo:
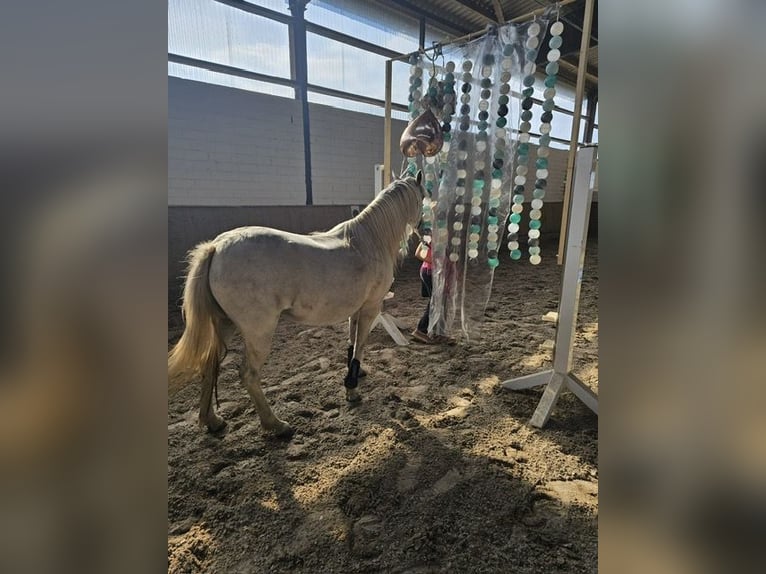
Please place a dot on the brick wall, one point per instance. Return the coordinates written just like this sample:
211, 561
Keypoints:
233, 147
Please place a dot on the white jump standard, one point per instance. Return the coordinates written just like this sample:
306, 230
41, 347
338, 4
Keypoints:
561, 376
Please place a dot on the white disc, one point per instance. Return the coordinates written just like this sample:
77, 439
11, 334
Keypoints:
522, 170
513, 245
532, 42
473, 253
542, 174
534, 233
476, 210
513, 228
455, 241
557, 28
534, 29
537, 203
519, 180
545, 128
517, 208
459, 208
457, 226
534, 259
454, 257
553, 55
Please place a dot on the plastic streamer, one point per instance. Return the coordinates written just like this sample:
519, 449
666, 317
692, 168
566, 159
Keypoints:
479, 177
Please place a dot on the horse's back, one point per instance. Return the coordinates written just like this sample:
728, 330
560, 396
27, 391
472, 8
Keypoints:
318, 278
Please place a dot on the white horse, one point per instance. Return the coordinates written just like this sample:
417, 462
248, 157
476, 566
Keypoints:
244, 279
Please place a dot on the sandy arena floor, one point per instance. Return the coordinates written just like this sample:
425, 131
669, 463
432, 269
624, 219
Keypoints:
435, 471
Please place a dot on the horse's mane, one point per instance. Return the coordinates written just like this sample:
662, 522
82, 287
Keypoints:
386, 222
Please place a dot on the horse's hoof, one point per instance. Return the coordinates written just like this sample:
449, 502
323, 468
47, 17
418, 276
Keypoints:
283, 430
362, 373
215, 425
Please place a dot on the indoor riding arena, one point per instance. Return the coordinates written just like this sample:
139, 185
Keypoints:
401, 373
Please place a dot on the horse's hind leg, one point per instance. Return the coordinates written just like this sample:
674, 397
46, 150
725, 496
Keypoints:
257, 348
207, 415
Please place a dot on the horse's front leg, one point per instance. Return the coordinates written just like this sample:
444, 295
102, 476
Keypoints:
365, 317
353, 321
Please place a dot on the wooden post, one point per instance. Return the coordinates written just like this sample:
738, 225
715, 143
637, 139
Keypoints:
581, 71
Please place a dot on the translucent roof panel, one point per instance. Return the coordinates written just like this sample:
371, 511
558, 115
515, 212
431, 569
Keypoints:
217, 33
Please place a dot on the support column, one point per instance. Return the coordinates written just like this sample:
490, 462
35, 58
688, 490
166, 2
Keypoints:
300, 67
590, 115
387, 128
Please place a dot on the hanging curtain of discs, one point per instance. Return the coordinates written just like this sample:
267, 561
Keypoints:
483, 177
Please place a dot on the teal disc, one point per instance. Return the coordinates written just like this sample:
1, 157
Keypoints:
516, 254
515, 218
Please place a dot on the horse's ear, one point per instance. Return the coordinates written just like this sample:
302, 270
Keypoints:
419, 177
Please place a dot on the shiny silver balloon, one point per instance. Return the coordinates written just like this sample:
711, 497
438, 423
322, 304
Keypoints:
423, 135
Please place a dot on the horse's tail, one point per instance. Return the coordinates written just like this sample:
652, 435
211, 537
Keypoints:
201, 347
